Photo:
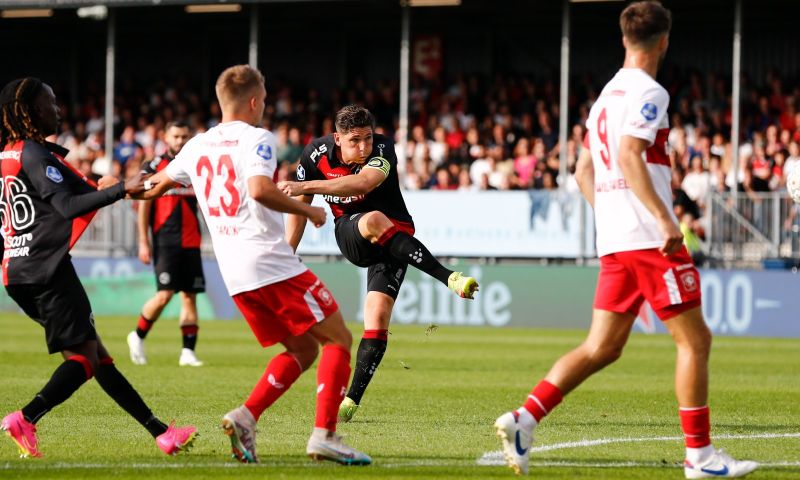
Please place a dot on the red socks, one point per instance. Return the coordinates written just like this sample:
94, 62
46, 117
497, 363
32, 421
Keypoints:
280, 374
333, 372
696, 426
543, 399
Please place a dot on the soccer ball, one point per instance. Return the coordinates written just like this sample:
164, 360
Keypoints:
793, 184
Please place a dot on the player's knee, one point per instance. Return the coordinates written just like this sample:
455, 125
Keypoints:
602, 355
377, 223
163, 297
305, 352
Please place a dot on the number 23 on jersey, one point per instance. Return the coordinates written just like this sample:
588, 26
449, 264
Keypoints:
220, 203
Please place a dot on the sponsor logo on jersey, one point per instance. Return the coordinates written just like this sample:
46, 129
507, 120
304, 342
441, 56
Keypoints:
338, 200
10, 155
53, 174
649, 111
301, 172
17, 245
319, 151
381, 146
264, 151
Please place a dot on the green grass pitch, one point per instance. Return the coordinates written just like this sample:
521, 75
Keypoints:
427, 414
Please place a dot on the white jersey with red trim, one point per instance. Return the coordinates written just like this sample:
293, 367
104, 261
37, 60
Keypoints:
248, 237
632, 104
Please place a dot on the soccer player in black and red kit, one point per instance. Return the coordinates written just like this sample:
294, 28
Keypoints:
45, 204
175, 252
355, 170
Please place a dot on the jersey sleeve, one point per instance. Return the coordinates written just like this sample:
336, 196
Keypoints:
306, 166
260, 155
646, 113
177, 169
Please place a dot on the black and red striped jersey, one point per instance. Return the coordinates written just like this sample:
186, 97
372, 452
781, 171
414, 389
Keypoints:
37, 187
319, 161
173, 217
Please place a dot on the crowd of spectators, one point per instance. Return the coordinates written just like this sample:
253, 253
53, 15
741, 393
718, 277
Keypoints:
477, 133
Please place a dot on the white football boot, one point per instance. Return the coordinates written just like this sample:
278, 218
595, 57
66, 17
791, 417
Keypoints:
719, 465
136, 347
515, 431
188, 358
327, 445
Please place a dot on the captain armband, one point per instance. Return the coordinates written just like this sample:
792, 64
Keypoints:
379, 163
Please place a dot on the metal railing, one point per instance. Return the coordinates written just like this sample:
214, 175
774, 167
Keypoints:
759, 227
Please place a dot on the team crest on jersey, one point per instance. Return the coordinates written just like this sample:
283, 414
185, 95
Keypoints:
164, 278
53, 174
689, 282
264, 151
325, 296
301, 172
649, 111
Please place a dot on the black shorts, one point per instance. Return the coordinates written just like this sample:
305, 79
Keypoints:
179, 270
384, 273
60, 306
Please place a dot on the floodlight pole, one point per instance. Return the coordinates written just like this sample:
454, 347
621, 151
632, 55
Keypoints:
736, 100
404, 86
563, 108
111, 53
252, 57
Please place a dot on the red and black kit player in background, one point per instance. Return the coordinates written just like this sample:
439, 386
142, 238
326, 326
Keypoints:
45, 204
625, 174
355, 170
175, 252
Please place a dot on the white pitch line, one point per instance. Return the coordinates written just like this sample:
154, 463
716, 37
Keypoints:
496, 457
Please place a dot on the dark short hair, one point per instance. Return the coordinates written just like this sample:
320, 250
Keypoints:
643, 23
353, 116
176, 124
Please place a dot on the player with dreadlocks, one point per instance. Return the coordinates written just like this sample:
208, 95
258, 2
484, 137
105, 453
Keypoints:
45, 205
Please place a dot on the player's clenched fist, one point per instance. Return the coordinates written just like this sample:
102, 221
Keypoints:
290, 188
317, 216
673, 238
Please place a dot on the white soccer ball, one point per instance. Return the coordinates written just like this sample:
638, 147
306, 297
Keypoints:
793, 184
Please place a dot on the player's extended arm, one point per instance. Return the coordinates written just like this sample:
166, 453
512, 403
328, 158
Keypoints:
160, 184
262, 190
143, 225
70, 205
634, 170
584, 175
296, 224
364, 182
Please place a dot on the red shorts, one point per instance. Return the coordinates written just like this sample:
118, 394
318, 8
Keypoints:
670, 284
288, 308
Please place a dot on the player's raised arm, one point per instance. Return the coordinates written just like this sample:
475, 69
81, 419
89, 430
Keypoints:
584, 175
264, 191
368, 179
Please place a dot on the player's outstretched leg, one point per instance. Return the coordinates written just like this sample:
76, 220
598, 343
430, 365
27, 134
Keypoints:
240, 423
20, 426
333, 373
169, 438
377, 227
